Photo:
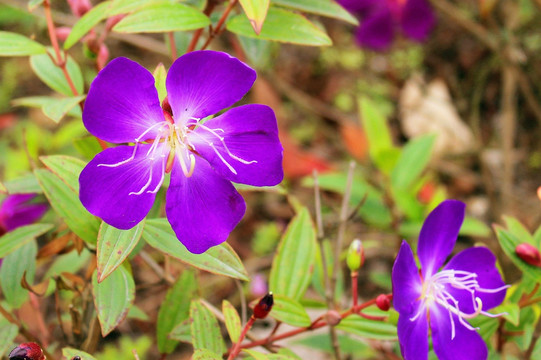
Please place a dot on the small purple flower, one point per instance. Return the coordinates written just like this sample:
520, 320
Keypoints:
203, 155
466, 287
380, 18
19, 210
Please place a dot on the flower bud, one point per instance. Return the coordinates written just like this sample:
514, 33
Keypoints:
529, 254
355, 257
79, 7
264, 306
103, 56
332, 317
27, 351
63, 32
383, 302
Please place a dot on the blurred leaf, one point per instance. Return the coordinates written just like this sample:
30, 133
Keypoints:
289, 311
70, 262
14, 266
320, 7
356, 348
182, 332
370, 329
70, 353
412, 161
113, 298
87, 146
87, 22
474, 227
13, 240
114, 246
8, 333
510, 311
509, 242
65, 202
23, 185
487, 326
32, 4
205, 329
53, 76
203, 354
265, 238
174, 310
54, 108
516, 228
162, 18
128, 6
12, 44
283, 26
256, 354
160, 74
256, 11
136, 312
380, 146
221, 259
292, 267
258, 51
232, 321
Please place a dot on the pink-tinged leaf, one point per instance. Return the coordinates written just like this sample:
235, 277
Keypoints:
256, 11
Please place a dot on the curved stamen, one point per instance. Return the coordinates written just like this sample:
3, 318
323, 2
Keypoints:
143, 189
222, 141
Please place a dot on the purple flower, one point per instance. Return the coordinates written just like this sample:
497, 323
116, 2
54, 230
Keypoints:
380, 19
203, 155
19, 210
445, 299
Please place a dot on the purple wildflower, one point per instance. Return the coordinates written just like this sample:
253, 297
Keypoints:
467, 286
380, 18
19, 210
204, 156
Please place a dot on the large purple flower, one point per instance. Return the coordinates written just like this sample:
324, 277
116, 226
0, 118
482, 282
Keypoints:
203, 155
445, 299
19, 210
380, 19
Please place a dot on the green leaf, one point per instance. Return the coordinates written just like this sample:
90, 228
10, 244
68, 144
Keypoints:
509, 242
259, 52
221, 259
162, 18
256, 12
70, 262
474, 227
65, 202
54, 108
380, 146
160, 74
232, 321
128, 6
182, 332
113, 298
412, 161
510, 311
70, 353
516, 228
283, 26
256, 354
87, 22
203, 354
32, 4
289, 311
8, 333
174, 310
23, 185
13, 240
205, 329
114, 246
12, 271
320, 7
53, 76
12, 44
370, 329
87, 146
292, 267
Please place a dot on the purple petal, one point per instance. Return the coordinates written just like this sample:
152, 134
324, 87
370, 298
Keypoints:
417, 19
438, 235
105, 191
122, 103
252, 153
407, 284
202, 209
16, 211
358, 7
413, 336
201, 83
481, 261
466, 345
377, 29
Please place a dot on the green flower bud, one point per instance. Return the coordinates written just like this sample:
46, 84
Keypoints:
355, 258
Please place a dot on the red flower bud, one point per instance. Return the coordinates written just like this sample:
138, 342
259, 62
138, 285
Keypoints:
383, 302
27, 351
63, 32
264, 306
103, 56
332, 317
79, 7
529, 254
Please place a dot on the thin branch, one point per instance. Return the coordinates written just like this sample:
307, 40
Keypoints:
172, 45
218, 29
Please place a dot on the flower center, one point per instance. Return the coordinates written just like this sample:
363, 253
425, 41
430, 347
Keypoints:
441, 289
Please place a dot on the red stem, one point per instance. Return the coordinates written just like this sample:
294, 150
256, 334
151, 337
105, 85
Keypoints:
172, 45
354, 291
220, 23
237, 347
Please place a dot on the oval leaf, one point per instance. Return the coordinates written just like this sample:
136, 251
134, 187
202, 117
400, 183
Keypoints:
13, 240
8, 332
412, 161
509, 243
292, 267
370, 329
114, 246
205, 329
162, 18
53, 76
256, 11
289, 311
113, 298
14, 266
232, 321
12, 44
221, 259
54, 108
203, 354
283, 26
320, 7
